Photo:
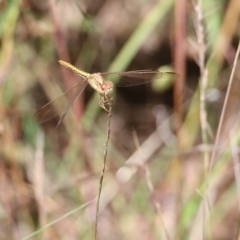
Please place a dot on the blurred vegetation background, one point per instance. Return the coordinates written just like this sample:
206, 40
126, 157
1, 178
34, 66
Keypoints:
172, 165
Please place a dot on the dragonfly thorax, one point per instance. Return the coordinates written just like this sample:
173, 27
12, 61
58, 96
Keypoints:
96, 81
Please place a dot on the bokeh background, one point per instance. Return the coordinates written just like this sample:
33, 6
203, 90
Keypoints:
172, 167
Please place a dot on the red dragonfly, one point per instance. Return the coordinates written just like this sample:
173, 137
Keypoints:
62, 104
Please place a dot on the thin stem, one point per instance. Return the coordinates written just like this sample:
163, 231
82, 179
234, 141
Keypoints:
203, 110
103, 169
204, 78
224, 109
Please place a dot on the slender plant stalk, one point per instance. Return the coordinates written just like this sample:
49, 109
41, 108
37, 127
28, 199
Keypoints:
103, 169
214, 153
203, 110
204, 78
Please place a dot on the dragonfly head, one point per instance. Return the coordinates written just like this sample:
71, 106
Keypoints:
107, 88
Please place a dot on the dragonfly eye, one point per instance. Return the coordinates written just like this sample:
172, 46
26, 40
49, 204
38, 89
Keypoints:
107, 88
106, 85
103, 86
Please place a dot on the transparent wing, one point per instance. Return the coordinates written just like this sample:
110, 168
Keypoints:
60, 105
131, 78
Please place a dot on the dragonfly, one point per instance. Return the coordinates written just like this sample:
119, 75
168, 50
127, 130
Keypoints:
103, 83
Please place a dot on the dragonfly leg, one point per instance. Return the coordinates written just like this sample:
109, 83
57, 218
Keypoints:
105, 102
102, 105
